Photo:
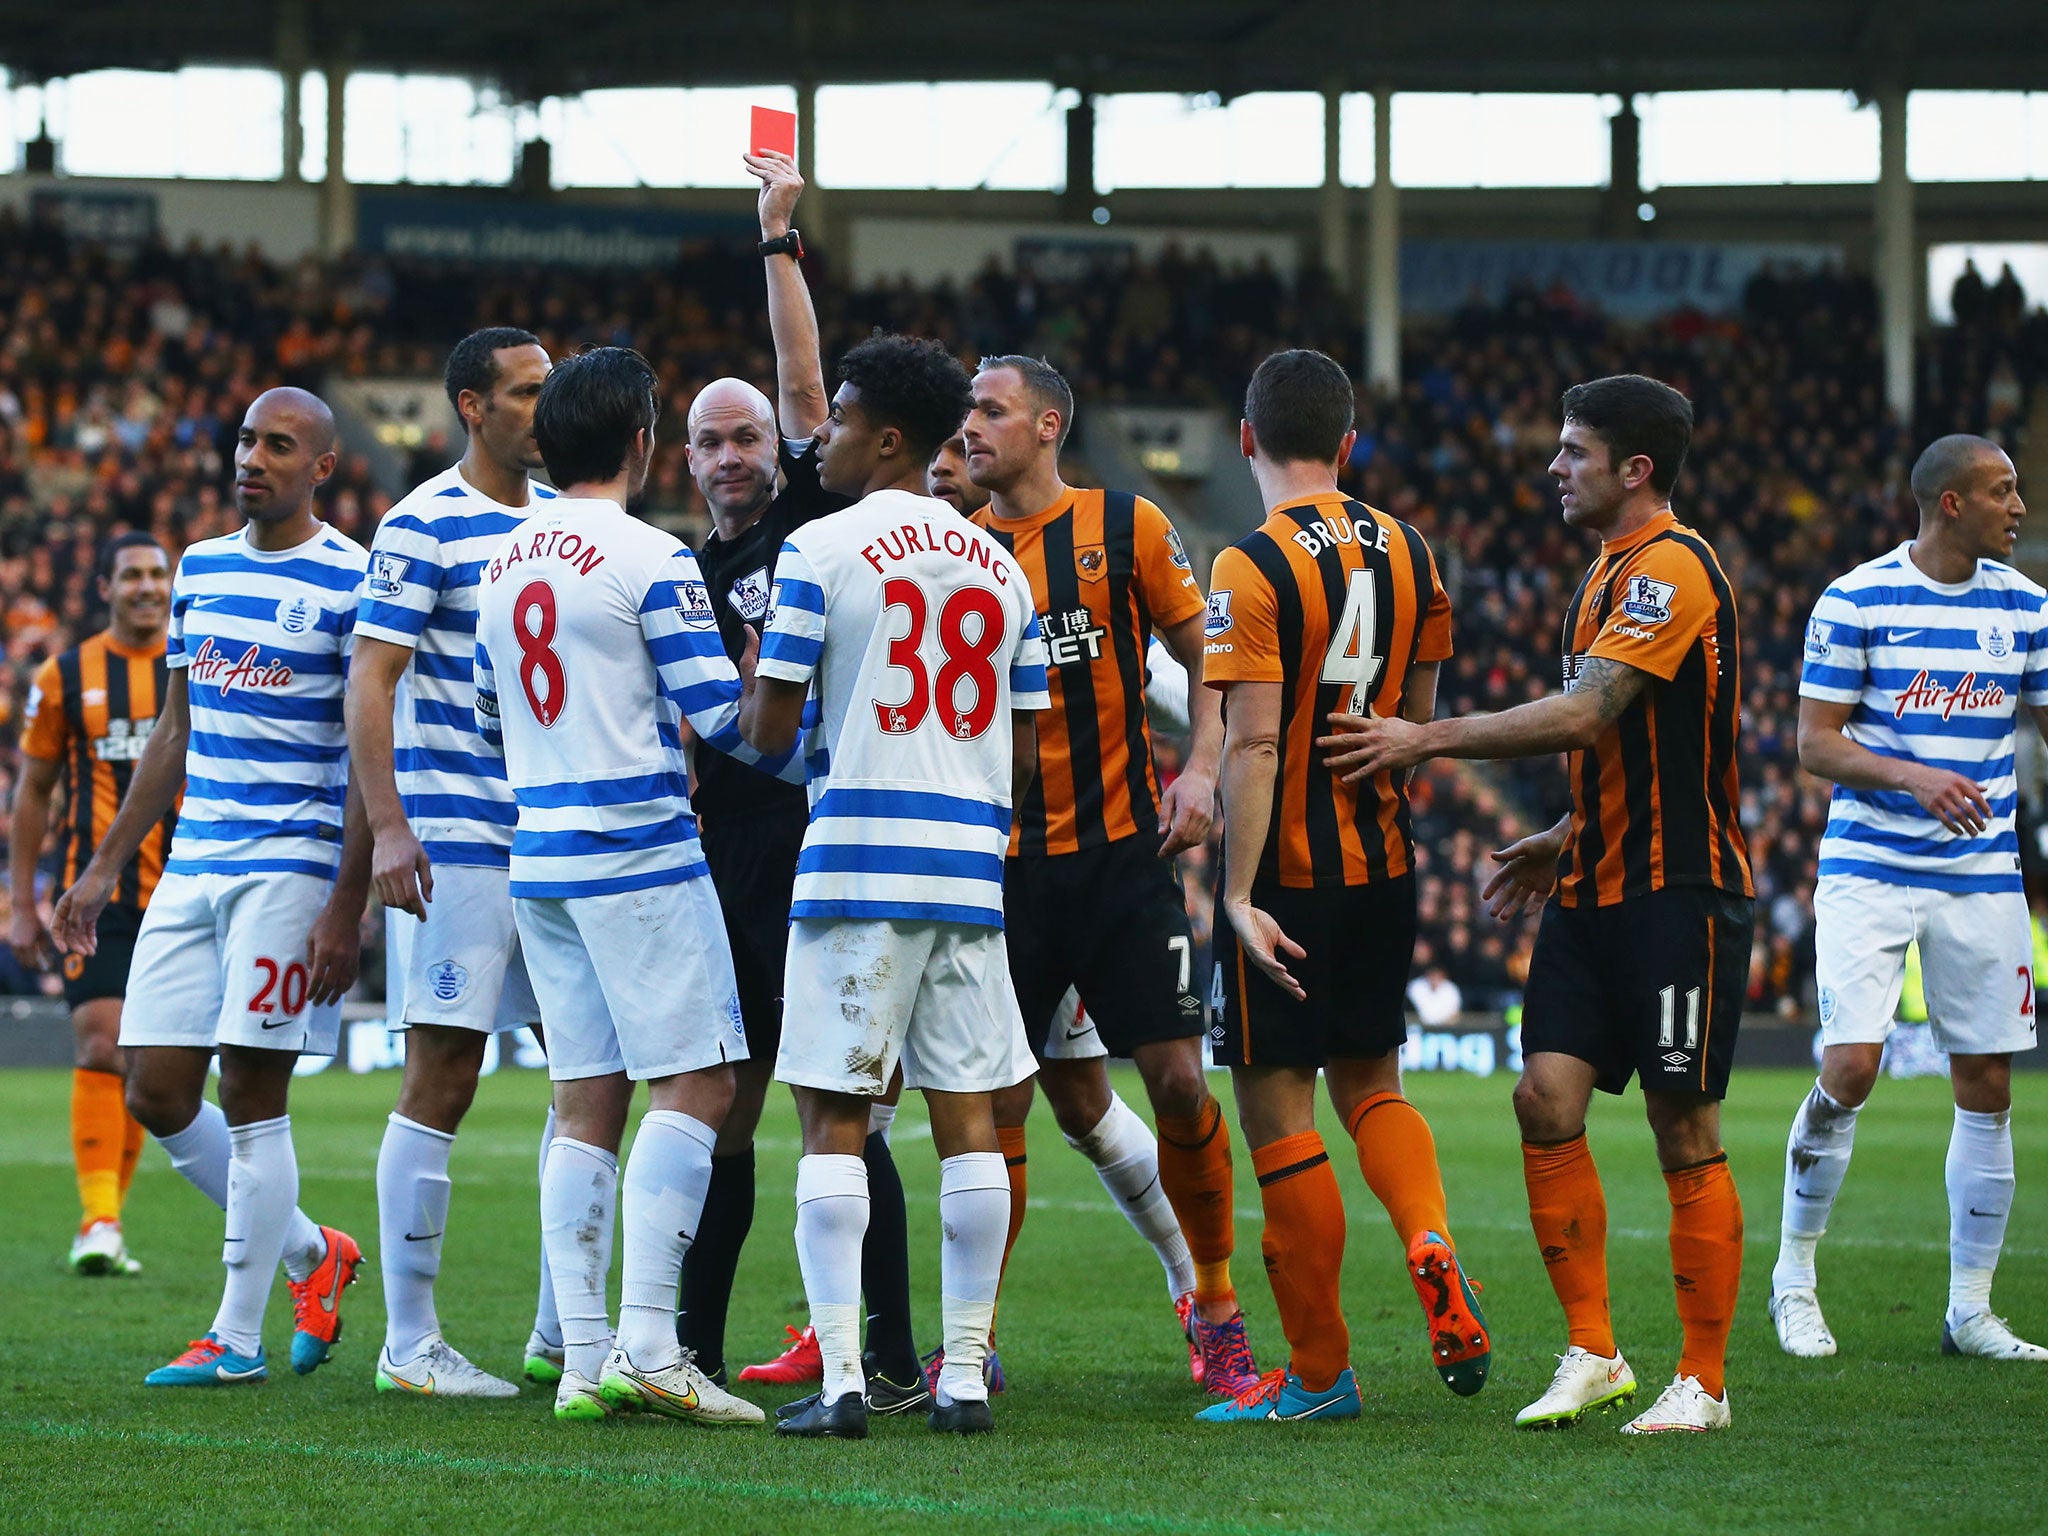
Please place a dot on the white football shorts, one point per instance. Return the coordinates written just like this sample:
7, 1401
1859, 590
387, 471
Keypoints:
1976, 963
221, 960
638, 982
860, 995
1072, 1036
463, 964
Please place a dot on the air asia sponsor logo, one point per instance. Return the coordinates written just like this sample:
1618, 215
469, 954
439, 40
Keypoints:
1926, 692
216, 669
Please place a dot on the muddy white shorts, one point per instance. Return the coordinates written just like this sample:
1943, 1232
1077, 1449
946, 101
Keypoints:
860, 995
638, 982
221, 960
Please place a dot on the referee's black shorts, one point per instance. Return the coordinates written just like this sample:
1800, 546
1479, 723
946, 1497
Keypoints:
753, 869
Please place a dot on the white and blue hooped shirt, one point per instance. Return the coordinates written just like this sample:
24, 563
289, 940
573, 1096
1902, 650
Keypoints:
421, 593
264, 639
1937, 674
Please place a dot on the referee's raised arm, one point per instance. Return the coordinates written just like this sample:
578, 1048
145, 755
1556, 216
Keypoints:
800, 403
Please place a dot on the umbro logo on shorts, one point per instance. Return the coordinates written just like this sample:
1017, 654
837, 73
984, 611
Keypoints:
1676, 1060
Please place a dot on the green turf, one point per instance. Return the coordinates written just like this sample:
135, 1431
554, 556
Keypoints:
1096, 1431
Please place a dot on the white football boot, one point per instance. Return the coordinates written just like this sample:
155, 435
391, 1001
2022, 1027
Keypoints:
1684, 1405
1989, 1338
1802, 1331
1584, 1381
99, 1250
577, 1398
439, 1370
678, 1391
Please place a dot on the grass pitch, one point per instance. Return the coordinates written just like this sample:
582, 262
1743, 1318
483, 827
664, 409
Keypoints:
1096, 1431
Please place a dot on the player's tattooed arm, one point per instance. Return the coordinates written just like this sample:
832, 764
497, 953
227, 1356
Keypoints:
1360, 746
1955, 800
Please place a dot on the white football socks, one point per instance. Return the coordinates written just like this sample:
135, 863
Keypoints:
831, 1220
1980, 1186
263, 1192
579, 1196
412, 1215
974, 1219
547, 1326
665, 1182
1126, 1159
1816, 1162
201, 1153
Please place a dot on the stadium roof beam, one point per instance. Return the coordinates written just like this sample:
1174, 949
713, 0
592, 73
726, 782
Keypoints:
535, 49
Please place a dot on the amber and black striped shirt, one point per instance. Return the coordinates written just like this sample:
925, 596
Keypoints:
1337, 603
1655, 801
1106, 569
92, 709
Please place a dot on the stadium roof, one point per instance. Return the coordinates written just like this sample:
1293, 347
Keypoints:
537, 48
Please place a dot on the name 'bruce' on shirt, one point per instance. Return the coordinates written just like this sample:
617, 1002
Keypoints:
548, 544
920, 539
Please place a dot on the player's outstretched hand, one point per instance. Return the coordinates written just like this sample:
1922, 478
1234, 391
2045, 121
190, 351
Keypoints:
1526, 877
1360, 746
781, 186
334, 953
1953, 799
27, 937
1265, 944
1186, 813
401, 873
75, 924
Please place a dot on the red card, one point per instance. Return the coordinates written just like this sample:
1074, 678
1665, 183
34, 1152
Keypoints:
773, 130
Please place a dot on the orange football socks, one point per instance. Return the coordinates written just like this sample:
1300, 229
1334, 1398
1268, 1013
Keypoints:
1706, 1264
1194, 1170
1568, 1210
1304, 1248
99, 1133
1397, 1155
1011, 1139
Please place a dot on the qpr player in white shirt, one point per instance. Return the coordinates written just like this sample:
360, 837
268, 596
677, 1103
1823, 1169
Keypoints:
441, 815
913, 637
595, 637
252, 936
1917, 664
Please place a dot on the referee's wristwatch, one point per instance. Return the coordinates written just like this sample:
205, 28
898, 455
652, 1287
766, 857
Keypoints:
790, 245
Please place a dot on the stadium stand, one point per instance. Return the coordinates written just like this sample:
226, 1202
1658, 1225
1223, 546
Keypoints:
122, 381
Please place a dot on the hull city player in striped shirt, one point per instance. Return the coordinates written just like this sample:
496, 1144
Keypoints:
251, 937
1917, 666
913, 637
90, 712
442, 816
595, 640
1643, 952
1328, 605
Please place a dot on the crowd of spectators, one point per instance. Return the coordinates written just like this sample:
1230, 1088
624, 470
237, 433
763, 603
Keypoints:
122, 379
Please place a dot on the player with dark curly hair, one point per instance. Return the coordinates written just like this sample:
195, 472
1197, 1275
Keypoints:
896, 395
